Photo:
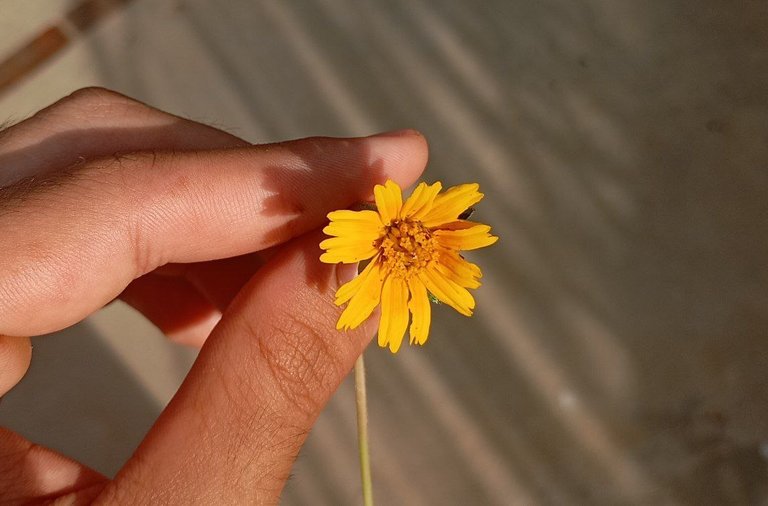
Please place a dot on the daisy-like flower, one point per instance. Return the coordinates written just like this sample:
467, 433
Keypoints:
414, 250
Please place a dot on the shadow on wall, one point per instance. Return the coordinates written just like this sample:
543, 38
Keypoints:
617, 355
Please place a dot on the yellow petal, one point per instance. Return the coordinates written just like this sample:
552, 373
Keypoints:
347, 290
449, 205
465, 235
345, 242
459, 225
347, 249
420, 201
337, 229
346, 256
420, 311
354, 222
389, 201
454, 267
447, 291
355, 233
365, 300
394, 313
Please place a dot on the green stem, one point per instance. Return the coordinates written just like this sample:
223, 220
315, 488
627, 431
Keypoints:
362, 431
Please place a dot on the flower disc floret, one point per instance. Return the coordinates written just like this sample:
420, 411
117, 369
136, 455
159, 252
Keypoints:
407, 247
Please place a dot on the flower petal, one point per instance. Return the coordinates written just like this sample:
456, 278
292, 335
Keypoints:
347, 290
365, 300
347, 249
454, 267
355, 233
420, 201
449, 205
447, 291
337, 229
354, 223
464, 235
389, 201
420, 311
394, 313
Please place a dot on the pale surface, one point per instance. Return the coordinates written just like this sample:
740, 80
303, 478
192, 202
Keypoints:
618, 355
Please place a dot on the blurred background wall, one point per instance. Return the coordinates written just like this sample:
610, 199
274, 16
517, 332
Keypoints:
618, 354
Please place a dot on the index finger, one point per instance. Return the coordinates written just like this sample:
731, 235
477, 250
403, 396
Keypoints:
75, 240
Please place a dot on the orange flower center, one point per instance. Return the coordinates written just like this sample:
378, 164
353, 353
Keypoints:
407, 247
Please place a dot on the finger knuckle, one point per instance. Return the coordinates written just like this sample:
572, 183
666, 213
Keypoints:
94, 101
127, 201
95, 95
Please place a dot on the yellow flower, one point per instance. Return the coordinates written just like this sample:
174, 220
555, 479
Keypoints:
414, 249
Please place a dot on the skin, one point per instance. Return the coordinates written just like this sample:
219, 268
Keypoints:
214, 240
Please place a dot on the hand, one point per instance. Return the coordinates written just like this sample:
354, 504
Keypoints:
204, 234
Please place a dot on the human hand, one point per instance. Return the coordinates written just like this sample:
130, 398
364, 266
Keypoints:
100, 197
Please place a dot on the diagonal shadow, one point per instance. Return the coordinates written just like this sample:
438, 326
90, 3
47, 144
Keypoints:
65, 403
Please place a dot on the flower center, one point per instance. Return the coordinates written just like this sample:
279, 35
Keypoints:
407, 247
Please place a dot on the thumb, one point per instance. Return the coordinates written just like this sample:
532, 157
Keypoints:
233, 430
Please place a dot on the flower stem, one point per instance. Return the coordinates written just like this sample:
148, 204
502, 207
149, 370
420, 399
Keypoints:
362, 431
